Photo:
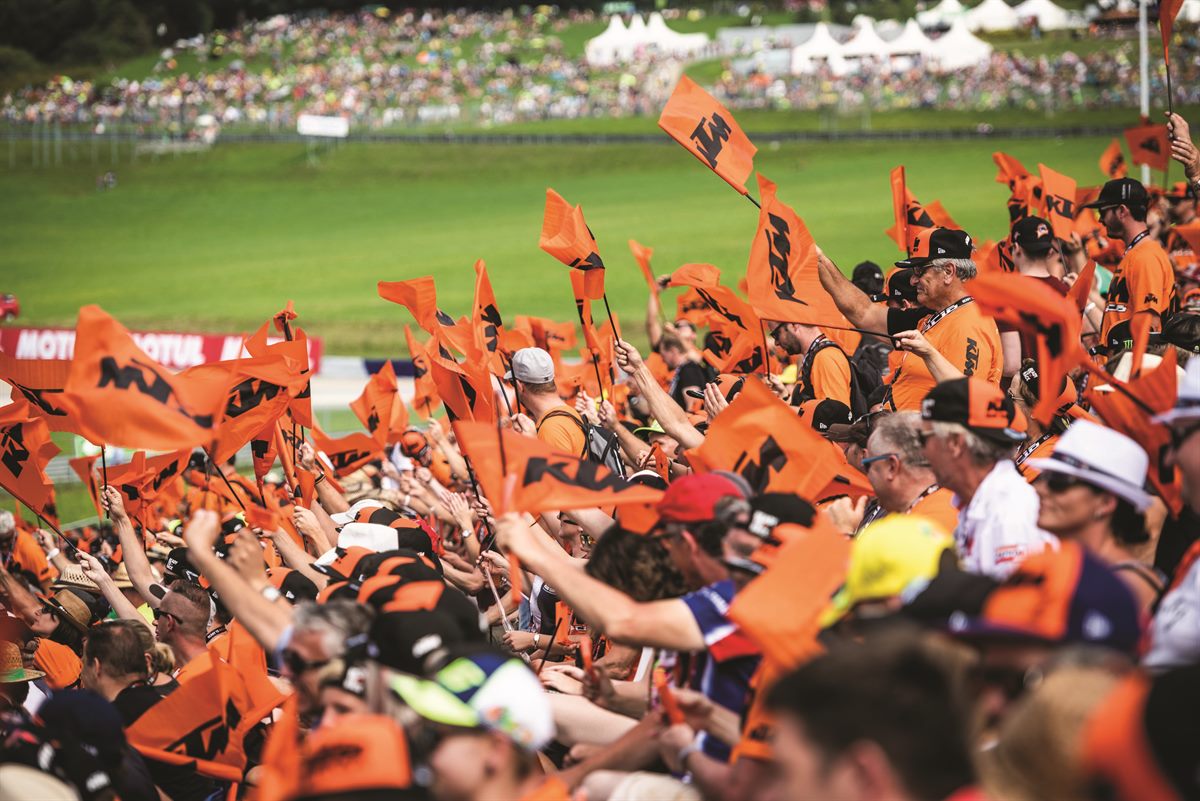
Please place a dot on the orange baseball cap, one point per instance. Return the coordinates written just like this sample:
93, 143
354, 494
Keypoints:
358, 753
979, 406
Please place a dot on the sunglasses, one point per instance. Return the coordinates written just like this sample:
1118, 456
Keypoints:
870, 460
159, 614
1059, 482
1181, 435
298, 664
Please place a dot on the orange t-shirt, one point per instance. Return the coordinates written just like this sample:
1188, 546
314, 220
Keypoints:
565, 436
1143, 281
967, 338
1041, 450
830, 375
939, 507
27, 555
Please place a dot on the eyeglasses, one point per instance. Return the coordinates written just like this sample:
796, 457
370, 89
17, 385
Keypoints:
1179, 436
1059, 482
870, 460
298, 664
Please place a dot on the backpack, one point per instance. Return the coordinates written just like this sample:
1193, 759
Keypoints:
870, 363
864, 377
600, 446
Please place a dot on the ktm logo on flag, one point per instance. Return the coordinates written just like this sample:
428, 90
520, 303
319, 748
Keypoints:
165, 475
710, 137
1118, 161
420, 366
249, 395
1150, 144
37, 398
259, 448
779, 251
491, 330
719, 309
587, 475
13, 453
995, 408
719, 343
445, 319
133, 375
372, 421
194, 744
1063, 207
345, 459
590, 262
757, 470
917, 216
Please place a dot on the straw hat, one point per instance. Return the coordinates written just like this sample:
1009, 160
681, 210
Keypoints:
73, 577
120, 578
72, 609
12, 669
19, 782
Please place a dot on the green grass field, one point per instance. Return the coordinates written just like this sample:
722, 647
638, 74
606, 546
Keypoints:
218, 241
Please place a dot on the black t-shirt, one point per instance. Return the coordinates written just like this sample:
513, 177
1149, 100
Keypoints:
180, 782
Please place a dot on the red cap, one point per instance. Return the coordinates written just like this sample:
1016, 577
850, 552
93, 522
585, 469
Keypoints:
692, 499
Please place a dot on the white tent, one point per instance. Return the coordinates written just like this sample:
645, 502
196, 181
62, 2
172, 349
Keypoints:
606, 48
958, 48
820, 49
1049, 16
943, 13
665, 40
911, 42
865, 44
992, 15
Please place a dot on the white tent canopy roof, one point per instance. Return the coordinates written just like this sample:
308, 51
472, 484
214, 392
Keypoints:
865, 44
992, 15
959, 48
912, 41
943, 13
1049, 16
820, 48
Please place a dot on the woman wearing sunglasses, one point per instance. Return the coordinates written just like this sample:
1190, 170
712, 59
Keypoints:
1091, 492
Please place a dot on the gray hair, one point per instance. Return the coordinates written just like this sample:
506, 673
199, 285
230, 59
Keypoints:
6, 522
335, 621
898, 433
982, 451
965, 269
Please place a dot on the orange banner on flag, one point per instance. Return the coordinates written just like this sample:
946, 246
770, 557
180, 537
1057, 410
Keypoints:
425, 395
25, 450
566, 237
418, 295
544, 479
1150, 145
1112, 161
345, 454
127, 399
706, 129
41, 382
295, 353
486, 321
642, 254
380, 408
1058, 201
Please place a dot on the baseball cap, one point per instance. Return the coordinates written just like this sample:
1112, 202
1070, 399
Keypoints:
532, 366
979, 406
868, 277
772, 509
1137, 745
1180, 190
1058, 597
826, 412
938, 243
857, 432
1187, 400
1182, 331
292, 584
1103, 458
654, 427
179, 566
899, 286
895, 556
372, 536
351, 514
406, 641
1120, 192
1034, 235
693, 498
341, 564
356, 755
483, 688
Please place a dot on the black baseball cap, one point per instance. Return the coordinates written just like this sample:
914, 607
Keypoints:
977, 405
899, 286
938, 243
1120, 192
1182, 331
179, 566
868, 277
826, 412
1034, 235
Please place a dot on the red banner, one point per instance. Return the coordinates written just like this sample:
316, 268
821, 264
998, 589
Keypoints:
172, 349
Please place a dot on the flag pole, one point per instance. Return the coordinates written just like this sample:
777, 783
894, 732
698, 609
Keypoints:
611, 321
224, 478
757, 205
762, 327
104, 472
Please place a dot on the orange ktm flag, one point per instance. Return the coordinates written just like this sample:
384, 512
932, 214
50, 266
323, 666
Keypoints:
544, 478
238, 648
1058, 201
739, 352
380, 408
706, 129
141, 479
642, 254
1148, 144
41, 382
1112, 161
721, 300
566, 237
1155, 392
262, 451
25, 450
425, 395
128, 399
418, 295
82, 467
760, 437
801, 579
198, 725
545, 333
911, 218
781, 278
345, 454
1026, 189
294, 353
583, 307
486, 322
1168, 10
465, 389
1054, 320
941, 218
691, 307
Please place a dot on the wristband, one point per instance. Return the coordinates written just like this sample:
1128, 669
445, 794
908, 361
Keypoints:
686, 752
320, 477
53, 552
537, 641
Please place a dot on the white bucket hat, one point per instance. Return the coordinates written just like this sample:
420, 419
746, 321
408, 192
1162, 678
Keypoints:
1103, 458
1187, 402
371, 536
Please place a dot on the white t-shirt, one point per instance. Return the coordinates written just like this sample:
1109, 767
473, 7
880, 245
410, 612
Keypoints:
1175, 628
998, 528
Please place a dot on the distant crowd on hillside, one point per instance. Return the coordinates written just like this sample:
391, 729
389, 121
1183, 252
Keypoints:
490, 69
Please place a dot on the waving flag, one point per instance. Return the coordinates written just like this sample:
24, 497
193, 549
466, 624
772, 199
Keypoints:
295, 353
1026, 189
642, 254
721, 300
418, 295
25, 450
142, 478
707, 130
1058, 201
543, 479
345, 454
380, 408
128, 399
1112, 161
485, 321
425, 394
465, 389
1149, 145
911, 218
566, 237
41, 382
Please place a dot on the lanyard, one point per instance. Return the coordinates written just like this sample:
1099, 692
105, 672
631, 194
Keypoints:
1025, 454
1137, 239
937, 318
811, 353
925, 493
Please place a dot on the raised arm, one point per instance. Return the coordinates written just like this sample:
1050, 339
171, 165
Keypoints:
850, 300
669, 414
133, 551
116, 599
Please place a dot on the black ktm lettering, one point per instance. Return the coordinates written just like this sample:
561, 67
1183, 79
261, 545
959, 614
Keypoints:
587, 474
373, 421
490, 316
710, 137
15, 454
715, 305
1063, 207
758, 468
591, 261
38, 398
193, 743
1150, 144
445, 319
917, 216
249, 395
346, 459
133, 376
972, 357
779, 252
